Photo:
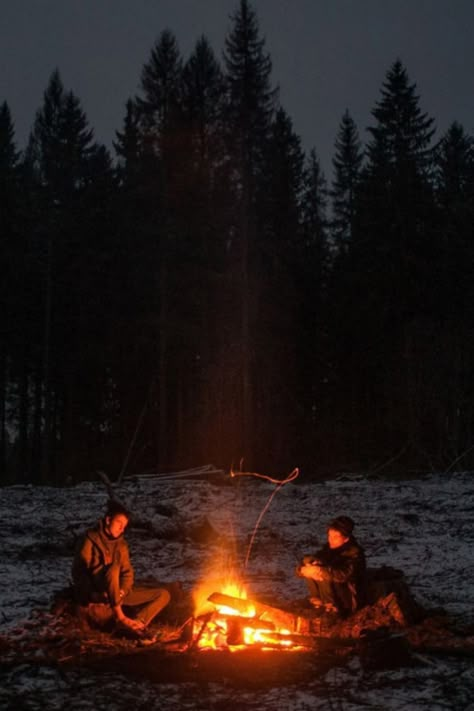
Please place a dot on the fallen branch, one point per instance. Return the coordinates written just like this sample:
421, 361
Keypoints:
206, 470
280, 482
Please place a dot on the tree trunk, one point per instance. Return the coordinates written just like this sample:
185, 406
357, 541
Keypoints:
3, 428
45, 466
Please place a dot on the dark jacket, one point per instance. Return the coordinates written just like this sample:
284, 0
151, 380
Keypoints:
94, 555
345, 569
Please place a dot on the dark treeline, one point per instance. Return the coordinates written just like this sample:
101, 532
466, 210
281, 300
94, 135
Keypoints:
204, 295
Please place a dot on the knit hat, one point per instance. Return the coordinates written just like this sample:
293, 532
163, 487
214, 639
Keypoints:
343, 524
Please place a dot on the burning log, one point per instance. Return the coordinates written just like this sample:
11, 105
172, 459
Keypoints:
232, 627
264, 613
227, 629
251, 622
280, 639
236, 627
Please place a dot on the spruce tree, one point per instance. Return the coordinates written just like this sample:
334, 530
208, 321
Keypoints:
128, 146
454, 355
402, 133
275, 259
251, 99
248, 114
454, 168
384, 284
203, 224
10, 266
347, 163
60, 159
314, 221
162, 188
281, 190
160, 86
314, 262
202, 100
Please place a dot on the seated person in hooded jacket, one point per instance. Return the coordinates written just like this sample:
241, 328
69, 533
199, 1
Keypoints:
336, 574
102, 572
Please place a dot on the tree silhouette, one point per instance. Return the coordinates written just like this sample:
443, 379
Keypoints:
61, 158
347, 163
248, 113
205, 296
10, 266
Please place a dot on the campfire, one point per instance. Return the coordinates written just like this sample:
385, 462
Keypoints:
228, 619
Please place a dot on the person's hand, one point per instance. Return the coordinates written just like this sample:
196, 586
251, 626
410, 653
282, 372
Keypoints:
135, 625
312, 571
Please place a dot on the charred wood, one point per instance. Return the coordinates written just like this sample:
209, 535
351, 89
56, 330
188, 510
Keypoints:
264, 613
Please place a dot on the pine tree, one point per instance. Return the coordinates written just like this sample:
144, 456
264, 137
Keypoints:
347, 164
128, 146
251, 100
60, 144
402, 134
454, 168
281, 191
248, 114
44, 147
313, 265
315, 224
399, 160
8, 152
160, 99
159, 105
454, 356
454, 181
60, 158
275, 260
202, 99
203, 225
10, 264
383, 284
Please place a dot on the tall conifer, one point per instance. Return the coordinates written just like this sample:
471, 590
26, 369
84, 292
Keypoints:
60, 158
10, 267
248, 113
347, 164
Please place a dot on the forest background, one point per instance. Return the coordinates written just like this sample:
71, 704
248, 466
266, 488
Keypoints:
205, 294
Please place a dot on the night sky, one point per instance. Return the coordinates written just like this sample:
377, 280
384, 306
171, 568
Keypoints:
328, 55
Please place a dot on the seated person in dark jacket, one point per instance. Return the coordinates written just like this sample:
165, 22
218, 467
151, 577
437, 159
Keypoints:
336, 574
102, 572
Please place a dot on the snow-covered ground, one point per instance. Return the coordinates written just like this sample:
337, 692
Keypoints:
423, 526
